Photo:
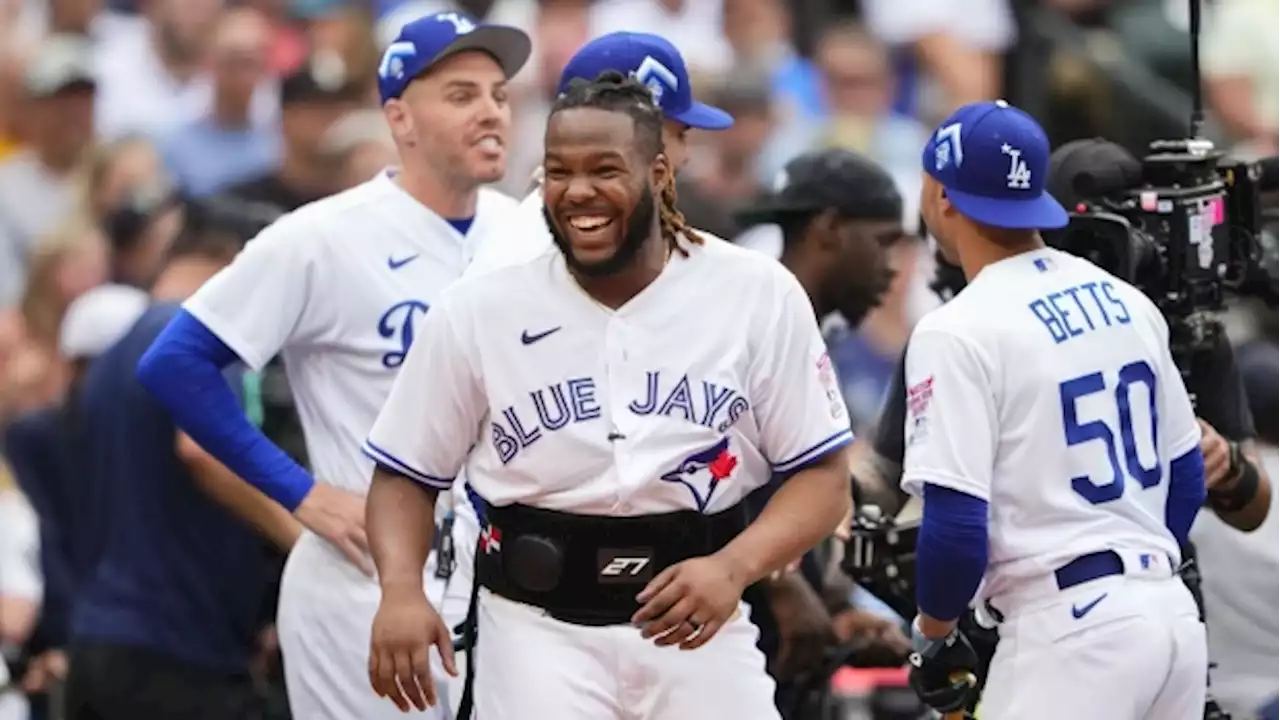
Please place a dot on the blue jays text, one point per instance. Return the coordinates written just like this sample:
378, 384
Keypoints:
574, 401
1074, 311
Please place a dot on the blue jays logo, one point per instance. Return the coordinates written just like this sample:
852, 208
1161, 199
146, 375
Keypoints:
657, 77
704, 469
397, 324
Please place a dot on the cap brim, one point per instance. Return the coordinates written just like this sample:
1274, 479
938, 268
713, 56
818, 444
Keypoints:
703, 117
768, 211
1041, 213
510, 46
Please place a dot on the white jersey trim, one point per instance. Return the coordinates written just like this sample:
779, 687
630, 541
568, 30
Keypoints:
383, 457
825, 446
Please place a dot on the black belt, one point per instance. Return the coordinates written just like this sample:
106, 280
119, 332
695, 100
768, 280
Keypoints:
1086, 568
587, 569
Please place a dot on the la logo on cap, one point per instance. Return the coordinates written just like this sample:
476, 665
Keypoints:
1019, 177
461, 24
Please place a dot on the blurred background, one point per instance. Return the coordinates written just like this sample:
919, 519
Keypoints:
120, 119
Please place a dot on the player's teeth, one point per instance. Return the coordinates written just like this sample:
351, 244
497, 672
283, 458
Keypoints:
589, 223
490, 143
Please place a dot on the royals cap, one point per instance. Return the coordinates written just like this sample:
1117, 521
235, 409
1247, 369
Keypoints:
424, 42
654, 61
836, 179
993, 160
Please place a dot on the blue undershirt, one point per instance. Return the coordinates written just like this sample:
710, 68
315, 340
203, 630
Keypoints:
463, 226
183, 370
951, 552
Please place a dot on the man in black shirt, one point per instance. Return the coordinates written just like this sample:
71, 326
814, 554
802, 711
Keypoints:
312, 98
839, 212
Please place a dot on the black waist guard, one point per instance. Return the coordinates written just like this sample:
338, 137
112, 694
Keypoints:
587, 569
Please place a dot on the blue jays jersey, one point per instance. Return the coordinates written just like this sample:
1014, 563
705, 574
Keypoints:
339, 288
689, 396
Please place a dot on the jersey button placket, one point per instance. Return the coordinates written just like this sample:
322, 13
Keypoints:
616, 366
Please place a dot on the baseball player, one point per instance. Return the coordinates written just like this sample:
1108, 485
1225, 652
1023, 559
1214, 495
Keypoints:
339, 289
610, 423
1053, 442
655, 62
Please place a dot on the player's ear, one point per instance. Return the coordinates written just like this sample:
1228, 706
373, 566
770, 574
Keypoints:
398, 119
660, 172
824, 227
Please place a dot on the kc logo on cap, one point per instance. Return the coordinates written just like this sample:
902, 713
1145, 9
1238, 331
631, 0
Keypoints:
992, 159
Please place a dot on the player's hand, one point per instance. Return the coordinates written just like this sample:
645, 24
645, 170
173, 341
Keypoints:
404, 630
944, 673
1217, 456
338, 516
689, 602
804, 625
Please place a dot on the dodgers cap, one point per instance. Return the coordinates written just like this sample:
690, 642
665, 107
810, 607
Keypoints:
654, 61
426, 41
993, 160
836, 179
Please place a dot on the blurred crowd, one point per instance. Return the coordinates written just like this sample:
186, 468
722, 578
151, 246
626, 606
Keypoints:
121, 120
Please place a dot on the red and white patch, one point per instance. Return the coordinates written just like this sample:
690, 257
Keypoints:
490, 539
918, 397
826, 370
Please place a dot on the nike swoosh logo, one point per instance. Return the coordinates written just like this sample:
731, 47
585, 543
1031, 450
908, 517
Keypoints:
528, 339
395, 264
1079, 612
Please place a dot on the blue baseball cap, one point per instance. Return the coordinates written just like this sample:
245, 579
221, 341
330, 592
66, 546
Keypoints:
654, 61
429, 39
993, 160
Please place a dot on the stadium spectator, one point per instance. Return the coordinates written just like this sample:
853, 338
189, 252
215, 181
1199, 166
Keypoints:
1242, 71
21, 586
312, 98
66, 264
948, 51
152, 73
167, 622
37, 184
360, 145
224, 146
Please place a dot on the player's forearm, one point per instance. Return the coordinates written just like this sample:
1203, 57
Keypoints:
1254, 512
804, 511
248, 503
951, 555
182, 369
400, 520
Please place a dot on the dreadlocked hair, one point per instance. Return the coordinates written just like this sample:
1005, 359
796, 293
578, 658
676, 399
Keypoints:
613, 91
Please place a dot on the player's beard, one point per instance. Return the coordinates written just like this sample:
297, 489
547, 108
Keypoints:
637, 231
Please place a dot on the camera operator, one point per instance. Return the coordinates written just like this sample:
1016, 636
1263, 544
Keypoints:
1239, 489
839, 213
1243, 629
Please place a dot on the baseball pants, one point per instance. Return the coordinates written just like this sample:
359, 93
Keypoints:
325, 621
1118, 648
530, 666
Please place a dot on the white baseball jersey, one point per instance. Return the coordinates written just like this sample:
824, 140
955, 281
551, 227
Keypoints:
1047, 389
689, 396
529, 239
339, 288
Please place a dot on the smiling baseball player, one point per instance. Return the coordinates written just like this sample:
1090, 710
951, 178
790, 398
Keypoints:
1052, 439
656, 63
339, 288
610, 421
